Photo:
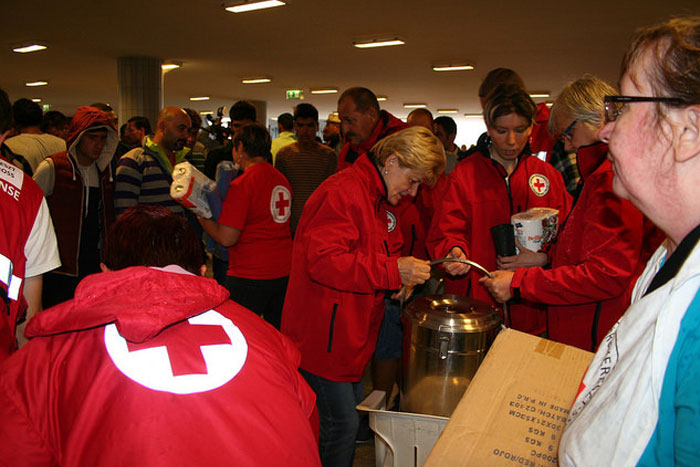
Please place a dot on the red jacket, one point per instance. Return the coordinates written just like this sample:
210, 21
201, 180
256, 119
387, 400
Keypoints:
477, 198
595, 261
541, 142
20, 199
341, 267
387, 125
154, 388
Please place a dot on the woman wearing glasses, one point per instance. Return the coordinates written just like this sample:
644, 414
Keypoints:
597, 254
640, 399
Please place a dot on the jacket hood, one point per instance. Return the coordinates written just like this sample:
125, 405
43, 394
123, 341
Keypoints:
386, 125
589, 158
141, 301
91, 118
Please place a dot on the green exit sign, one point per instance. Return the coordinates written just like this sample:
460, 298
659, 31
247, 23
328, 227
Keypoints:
46, 107
293, 93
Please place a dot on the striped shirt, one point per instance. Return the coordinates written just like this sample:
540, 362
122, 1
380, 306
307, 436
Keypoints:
143, 179
305, 169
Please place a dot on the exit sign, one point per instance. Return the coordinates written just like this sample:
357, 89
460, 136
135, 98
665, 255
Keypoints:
46, 107
293, 93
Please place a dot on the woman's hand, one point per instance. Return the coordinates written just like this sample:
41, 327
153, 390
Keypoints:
413, 270
526, 259
499, 285
454, 268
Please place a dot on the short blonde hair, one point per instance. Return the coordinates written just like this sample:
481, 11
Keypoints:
417, 148
581, 100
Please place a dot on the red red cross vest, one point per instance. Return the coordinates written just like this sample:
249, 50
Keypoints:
20, 199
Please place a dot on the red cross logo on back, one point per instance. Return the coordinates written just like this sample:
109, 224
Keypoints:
185, 348
280, 202
199, 354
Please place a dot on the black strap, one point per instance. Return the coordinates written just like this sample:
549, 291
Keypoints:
594, 327
674, 263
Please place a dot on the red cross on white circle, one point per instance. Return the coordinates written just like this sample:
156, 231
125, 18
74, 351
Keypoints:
539, 184
280, 204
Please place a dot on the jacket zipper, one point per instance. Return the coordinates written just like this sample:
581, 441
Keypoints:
330, 331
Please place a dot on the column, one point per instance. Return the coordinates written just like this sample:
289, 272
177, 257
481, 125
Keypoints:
140, 87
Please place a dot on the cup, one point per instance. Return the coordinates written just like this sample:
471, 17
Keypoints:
504, 239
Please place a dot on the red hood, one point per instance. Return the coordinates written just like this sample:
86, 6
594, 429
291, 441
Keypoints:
387, 125
91, 117
125, 296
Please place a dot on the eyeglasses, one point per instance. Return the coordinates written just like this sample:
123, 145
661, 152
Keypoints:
569, 132
615, 104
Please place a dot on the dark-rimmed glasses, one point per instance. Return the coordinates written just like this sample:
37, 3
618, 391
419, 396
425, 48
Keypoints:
615, 104
568, 133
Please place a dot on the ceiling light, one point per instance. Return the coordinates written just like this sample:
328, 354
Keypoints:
203, 98
540, 94
474, 115
255, 80
381, 98
460, 67
205, 112
37, 100
324, 91
368, 44
37, 83
447, 111
245, 5
549, 104
170, 65
415, 106
27, 48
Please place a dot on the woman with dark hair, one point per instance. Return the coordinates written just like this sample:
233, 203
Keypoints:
151, 364
639, 402
500, 178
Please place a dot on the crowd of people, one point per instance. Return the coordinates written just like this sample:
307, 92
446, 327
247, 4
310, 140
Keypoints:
136, 357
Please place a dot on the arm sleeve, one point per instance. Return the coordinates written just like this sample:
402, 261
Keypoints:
41, 249
452, 219
611, 240
335, 260
235, 209
127, 184
44, 176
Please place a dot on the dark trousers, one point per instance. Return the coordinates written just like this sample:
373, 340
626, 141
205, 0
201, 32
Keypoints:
338, 418
264, 297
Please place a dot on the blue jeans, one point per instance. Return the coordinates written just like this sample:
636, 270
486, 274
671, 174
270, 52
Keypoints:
338, 418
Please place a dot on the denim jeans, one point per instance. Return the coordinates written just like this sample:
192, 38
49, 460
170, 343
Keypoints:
338, 418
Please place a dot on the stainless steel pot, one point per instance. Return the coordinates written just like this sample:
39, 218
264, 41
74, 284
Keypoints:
445, 338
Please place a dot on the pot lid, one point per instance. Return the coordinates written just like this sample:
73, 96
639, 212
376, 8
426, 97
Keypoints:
452, 312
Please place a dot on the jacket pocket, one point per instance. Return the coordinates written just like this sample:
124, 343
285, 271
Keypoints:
330, 329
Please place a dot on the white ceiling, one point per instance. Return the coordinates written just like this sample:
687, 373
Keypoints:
309, 44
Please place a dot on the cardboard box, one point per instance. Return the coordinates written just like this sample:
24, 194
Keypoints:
515, 408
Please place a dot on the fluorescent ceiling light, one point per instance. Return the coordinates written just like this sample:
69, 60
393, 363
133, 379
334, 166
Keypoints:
542, 94
242, 7
324, 91
474, 115
170, 65
36, 99
377, 43
255, 80
447, 111
381, 98
205, 112
415, 106
29, 48
37, 83
549, 104
462, 67
203, 98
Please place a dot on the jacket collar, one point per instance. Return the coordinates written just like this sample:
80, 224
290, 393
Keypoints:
589, 158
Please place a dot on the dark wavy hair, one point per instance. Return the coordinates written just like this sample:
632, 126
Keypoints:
152, 236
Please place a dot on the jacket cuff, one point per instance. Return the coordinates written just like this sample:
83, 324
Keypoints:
392, 269
516, 281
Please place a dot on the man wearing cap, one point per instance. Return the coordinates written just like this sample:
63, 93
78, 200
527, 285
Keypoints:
331, 133
78, 185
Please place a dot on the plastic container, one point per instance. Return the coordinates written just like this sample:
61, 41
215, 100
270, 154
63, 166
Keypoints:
402, 439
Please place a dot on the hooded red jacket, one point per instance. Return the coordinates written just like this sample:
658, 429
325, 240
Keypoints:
386, 125
595, 260
154, 367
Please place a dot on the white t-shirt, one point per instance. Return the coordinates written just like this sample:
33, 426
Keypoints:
41, 249
35, 148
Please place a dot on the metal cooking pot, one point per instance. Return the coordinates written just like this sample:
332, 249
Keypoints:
445, 338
